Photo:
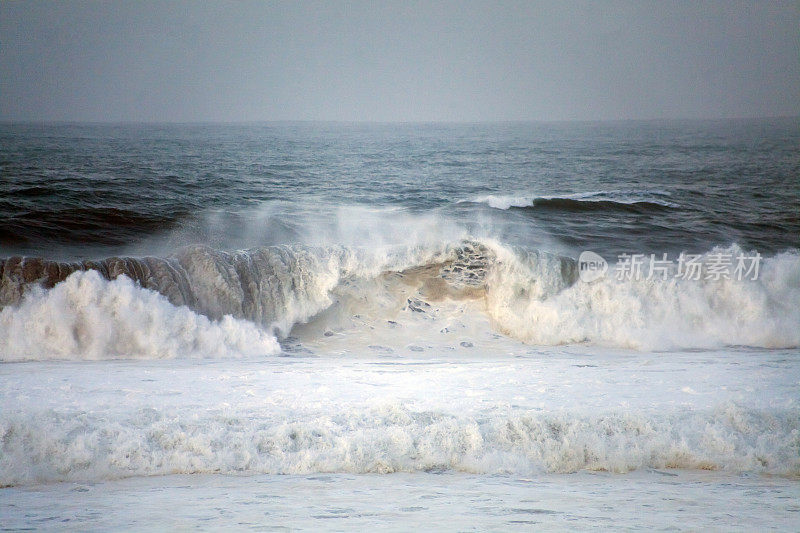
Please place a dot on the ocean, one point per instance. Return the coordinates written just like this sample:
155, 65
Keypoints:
405, 326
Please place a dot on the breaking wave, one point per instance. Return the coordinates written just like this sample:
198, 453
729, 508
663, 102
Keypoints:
55, 446
204, 302
651, 314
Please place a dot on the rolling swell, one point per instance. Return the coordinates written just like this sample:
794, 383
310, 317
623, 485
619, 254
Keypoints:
639, 202
574, 205
80, 225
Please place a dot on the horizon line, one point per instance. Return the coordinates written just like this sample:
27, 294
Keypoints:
389, 122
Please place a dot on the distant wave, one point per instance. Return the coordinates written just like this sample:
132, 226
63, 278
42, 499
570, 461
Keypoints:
204, 302
569, 204
633, 201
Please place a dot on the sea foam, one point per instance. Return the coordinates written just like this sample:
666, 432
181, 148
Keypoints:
50, 446
526, 299
88, 317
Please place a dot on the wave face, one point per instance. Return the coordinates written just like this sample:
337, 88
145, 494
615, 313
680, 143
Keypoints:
50, 446
528, 295
268, 286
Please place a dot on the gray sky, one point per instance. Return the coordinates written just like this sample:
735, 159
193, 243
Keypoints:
397, 61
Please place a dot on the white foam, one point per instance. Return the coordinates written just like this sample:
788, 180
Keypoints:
647, 314
528, 297
87, 317
51, 446
504, 201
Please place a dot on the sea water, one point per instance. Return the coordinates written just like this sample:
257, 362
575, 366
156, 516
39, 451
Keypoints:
345, 326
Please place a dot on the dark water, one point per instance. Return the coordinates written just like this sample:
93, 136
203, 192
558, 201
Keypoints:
639, 187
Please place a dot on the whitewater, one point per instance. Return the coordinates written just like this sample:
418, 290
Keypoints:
430, 356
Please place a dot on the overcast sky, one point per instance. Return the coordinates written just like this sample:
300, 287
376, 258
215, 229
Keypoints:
397, 61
